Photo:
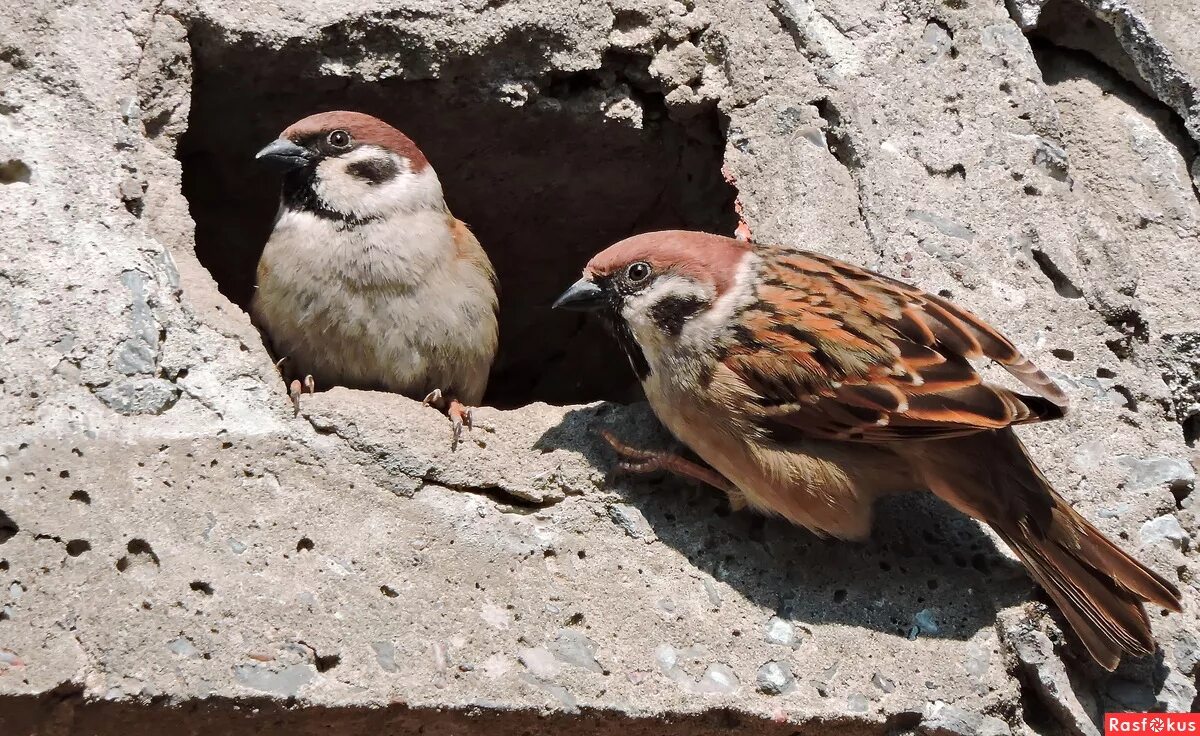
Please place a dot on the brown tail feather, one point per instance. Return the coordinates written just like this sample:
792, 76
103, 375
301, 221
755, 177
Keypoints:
1098, 587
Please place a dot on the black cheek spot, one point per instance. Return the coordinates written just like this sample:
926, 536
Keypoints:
374, 170
671, 312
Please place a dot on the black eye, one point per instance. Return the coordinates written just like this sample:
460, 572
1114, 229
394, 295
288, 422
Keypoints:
339, 139
637, 272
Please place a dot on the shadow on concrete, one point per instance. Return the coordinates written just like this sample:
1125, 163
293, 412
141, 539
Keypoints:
64, 710
926, 571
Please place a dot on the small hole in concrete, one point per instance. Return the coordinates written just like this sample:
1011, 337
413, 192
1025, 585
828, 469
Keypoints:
544, 184
327, 662
13, 171
1191, 430
388, 591
8, 527
82, 497
304, 545
201, 587
141, 547
1181, 489
1063, 354
76, 547
1129, 401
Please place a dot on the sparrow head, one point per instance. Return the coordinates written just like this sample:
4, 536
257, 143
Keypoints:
353, 167
653, 289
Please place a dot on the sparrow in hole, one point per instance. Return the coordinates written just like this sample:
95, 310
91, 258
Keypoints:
367, 280
812, 387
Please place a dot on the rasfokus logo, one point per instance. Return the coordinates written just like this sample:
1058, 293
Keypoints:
1151, 723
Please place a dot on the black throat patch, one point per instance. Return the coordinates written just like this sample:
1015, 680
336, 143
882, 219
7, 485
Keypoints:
298, 194
629, 345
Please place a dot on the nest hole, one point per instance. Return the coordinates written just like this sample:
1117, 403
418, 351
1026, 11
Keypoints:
545, 182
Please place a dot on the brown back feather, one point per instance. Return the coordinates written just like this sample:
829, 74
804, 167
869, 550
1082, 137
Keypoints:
839, 352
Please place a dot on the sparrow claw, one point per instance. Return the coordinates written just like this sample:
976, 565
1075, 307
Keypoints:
623, 449
649, 461
433, 398
296, 389
460, 416
294, 392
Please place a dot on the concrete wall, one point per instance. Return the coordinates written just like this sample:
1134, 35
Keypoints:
177, 551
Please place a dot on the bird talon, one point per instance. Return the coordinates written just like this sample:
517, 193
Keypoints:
649, 461
433, 397
625, 450
647, 466
461, 416
294, 392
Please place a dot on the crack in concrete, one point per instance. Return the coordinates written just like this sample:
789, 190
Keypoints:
375, 457
1160, 74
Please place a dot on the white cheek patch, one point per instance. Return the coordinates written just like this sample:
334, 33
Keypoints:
346, 192
699, 332
639, 309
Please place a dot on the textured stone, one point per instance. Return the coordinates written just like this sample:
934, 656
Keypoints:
942, 719
775, 678
344, 571
1164, 530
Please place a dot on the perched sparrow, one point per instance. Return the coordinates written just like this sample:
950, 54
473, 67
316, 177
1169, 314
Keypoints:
812, 387
367, 280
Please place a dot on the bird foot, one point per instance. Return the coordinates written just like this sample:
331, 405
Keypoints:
295, 389
459, 414
649, 461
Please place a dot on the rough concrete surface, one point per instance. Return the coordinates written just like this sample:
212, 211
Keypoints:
178, 552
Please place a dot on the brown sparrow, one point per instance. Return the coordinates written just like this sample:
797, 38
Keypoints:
812, 387
367, 280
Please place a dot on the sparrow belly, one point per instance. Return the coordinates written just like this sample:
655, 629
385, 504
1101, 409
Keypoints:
827, 487
404, 338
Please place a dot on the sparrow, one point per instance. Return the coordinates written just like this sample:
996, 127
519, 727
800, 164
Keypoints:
367, 280
811, 387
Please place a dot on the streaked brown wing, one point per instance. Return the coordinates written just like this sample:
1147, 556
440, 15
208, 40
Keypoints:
838, 352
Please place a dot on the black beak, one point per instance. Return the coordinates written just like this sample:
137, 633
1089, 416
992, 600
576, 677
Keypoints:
285, 154
583, 296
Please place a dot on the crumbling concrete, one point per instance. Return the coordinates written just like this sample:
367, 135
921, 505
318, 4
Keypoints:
177, 551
